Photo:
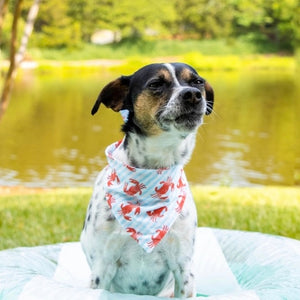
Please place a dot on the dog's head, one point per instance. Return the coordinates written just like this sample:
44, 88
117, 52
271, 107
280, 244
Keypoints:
160, 97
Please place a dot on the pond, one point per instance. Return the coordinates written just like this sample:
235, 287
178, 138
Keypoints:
49, 139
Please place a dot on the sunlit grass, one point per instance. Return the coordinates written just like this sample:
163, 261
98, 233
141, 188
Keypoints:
127, 57
149, 48
214, 63
57, 216
197, 60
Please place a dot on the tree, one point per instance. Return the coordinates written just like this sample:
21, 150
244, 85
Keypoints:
17, 57
54, 28
134, 17
205, 18
3, 10
273, 20
130, 18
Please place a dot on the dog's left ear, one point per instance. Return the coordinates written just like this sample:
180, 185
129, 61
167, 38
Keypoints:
209, 98
113, 94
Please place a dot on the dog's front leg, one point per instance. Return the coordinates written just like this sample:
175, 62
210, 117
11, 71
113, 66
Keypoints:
179, 291
180, 265
105, 267
184, 283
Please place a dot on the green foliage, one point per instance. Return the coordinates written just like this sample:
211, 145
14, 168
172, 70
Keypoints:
205, 19
54, 28
274, 20
6, 31
263, 22
57, 216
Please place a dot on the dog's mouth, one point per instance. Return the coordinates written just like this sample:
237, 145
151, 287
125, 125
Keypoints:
186, 121
189, 117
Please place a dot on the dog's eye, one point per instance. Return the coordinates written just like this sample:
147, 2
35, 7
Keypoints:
155, 84
197, 81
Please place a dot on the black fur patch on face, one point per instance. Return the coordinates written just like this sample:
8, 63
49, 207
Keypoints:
149, 92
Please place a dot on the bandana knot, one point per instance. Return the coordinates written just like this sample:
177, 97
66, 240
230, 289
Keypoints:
146, 202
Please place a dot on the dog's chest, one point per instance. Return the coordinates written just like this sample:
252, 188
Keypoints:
138, 272
141, 273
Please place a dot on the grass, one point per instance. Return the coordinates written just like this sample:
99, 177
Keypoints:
152, 48
57, 216
126, 57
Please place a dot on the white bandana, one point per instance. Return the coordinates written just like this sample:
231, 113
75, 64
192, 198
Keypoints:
146, 202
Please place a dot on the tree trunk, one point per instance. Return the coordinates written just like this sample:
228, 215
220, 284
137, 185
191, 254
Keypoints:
11, 71
32, 14
3, 10
16, 58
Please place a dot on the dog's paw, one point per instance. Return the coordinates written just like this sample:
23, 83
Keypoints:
95, 282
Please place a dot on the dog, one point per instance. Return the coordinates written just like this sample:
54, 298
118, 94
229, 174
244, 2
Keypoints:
166, 104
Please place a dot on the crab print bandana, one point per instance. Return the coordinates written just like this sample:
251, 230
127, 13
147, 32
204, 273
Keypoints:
146, 202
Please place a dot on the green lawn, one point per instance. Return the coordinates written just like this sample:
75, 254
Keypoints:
57, 216
154, 48
126, 57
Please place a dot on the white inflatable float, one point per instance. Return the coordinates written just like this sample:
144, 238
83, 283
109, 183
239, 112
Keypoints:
229, 265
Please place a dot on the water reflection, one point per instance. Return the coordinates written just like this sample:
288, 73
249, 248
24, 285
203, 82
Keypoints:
49, 138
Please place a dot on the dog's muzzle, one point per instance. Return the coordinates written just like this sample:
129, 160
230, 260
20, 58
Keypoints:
190, 96
188, 109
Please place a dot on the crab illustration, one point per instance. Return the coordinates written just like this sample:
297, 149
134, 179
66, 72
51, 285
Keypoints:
110, 199
133, 233
112, 178
131, 169
157, 213
127, 209
181, 184
160, 192
156, 239
181, 202
134, 189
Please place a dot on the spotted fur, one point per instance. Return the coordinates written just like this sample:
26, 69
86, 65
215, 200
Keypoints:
166, 104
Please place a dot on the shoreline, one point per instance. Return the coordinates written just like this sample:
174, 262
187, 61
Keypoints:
204, 62
23, 190
33, 64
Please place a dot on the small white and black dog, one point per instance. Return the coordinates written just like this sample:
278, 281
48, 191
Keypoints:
166, 104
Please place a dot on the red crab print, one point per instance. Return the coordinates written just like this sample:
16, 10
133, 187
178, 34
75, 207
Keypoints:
110, 199
134, 189
131, 169
156, 239
133, 233
127, 209
157, 213
180, 183
181, 202
112, 178
160, 192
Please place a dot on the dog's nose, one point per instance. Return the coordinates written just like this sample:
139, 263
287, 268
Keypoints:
191, 95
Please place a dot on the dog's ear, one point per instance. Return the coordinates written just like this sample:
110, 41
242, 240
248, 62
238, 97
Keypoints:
209, 98
113, 94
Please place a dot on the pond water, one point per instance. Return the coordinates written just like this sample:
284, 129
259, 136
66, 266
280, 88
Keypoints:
49, 139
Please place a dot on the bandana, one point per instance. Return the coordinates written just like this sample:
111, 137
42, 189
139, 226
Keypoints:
146, 202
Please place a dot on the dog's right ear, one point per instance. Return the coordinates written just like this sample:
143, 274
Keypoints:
113, 94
